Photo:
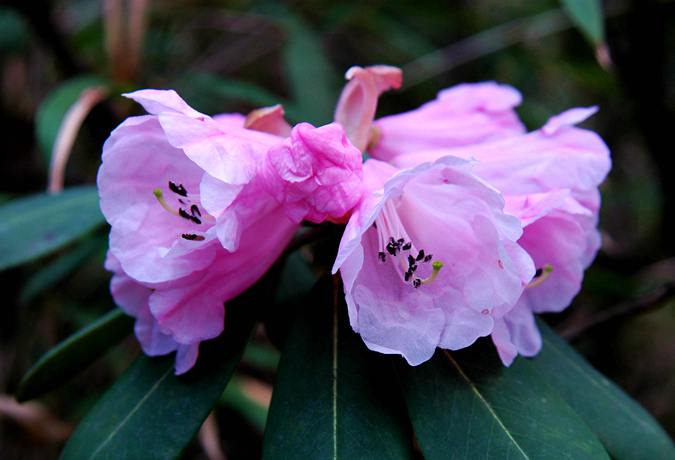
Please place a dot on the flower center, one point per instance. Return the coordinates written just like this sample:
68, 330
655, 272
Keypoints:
188, 210
394, 243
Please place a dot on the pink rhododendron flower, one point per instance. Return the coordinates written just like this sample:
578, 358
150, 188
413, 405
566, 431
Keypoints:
429, 259
192, 225
316, 173
549, 179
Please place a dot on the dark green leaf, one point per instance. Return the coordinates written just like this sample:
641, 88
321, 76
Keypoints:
36, 225
333, 398
297, 279
626, 429
587, 16
57, 270
53, 108
150, 412
74, 354
466, 405
310, 74
14, 32
261, 356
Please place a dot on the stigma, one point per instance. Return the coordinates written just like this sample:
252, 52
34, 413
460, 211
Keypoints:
541, 275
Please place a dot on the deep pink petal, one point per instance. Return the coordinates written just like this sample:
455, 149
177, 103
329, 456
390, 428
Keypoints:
315, 174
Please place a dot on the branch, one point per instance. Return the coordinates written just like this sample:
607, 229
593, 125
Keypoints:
648, 302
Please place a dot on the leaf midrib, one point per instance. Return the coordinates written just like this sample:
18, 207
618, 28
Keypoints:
131, 413
485, 402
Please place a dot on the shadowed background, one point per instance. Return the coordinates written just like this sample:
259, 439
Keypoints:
235, 56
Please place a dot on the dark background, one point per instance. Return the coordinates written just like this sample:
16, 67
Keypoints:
234, 56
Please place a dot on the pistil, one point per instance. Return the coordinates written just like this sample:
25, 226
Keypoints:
160, 197
436, 268
540, 276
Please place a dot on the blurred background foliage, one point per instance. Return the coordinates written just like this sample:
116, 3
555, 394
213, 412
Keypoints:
225, 56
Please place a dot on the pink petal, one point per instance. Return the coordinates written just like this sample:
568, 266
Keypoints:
315, 174
462, 115
568, 118
356, 108
269, 120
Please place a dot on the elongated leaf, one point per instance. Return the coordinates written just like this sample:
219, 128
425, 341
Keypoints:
59, 269
310, 75
36, 225
74, 354
466, 405
54, 107
587, 16
626, 429
151, 413
333, 398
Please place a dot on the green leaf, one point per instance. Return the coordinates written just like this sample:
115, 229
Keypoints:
152, 413
587, 16
14, 32
57, 270
333, 398
297, 279
74, 354
261, 356
54, 107
468, 405
34, 226
310, 74
625, 428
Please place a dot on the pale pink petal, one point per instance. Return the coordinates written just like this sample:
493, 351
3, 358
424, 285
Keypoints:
358, 102
571, 158
157, 101
186, 357
462, 115
568, 118
269, 120
502, 340
565, 242
515, 334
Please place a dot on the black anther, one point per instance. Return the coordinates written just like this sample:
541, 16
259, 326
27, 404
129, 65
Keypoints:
178, 189
192, 237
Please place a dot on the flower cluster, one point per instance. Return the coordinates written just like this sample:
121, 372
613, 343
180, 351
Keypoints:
461, 224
